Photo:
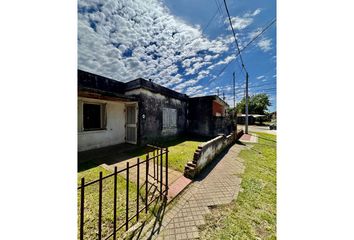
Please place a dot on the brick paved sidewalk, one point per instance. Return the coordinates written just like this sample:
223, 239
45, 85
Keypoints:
218, 184
249, 138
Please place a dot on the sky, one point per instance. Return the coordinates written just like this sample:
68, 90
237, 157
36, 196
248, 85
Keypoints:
185, 45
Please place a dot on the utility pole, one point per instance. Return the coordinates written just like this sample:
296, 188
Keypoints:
234, 90
223, 95
246, 120
235, 112
218, 92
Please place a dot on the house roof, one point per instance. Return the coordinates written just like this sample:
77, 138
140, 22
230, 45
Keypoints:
100, 94
213, 97
100, 83
153, 87
103, 86
92, 82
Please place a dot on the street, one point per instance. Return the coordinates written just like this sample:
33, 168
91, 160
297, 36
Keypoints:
255, 128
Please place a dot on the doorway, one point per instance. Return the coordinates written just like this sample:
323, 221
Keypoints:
131, 124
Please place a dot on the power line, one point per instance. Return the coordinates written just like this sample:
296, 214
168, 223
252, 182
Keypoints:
210, 21
222, 15
262, 31
261, 85
250, 42
233, 32
258, 90
218, 6
202, 31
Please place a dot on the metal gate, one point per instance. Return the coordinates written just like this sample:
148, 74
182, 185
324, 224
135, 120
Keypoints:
131, 124
149, 179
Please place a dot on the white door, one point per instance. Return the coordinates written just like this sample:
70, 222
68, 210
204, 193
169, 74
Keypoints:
131, 124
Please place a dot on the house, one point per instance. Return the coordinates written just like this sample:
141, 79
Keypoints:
208, 116
138, 112
252, 118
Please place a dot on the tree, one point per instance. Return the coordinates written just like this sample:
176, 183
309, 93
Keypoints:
257, 104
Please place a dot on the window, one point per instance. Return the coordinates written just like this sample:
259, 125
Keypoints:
169, 118
93, 116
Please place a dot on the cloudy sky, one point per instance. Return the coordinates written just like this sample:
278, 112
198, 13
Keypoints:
186, 45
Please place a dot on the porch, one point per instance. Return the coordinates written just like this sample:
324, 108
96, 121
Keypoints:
106, 120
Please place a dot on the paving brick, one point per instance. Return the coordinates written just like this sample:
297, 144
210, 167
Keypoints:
221, 185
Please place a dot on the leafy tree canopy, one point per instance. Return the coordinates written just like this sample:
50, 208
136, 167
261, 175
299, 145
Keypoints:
257, 104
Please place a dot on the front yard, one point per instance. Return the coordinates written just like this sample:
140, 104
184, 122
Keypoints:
253, 215
181, 151
91, 202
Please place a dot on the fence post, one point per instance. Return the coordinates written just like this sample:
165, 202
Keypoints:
153, 152
161, 178
115, 204
166, 166
127, 199
146, 182
100, 208
82, 201
137, 188
157, 166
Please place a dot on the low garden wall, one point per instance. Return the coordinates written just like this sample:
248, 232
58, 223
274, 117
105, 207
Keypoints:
207, 151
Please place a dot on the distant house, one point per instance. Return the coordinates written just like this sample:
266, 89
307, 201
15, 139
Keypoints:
252, 118
140, 111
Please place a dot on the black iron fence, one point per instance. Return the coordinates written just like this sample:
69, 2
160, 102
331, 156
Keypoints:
151, 185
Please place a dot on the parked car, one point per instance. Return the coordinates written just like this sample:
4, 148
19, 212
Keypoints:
273, 126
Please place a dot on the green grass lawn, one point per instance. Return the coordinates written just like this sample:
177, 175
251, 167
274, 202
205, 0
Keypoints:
253, 215
181, 150
91, 202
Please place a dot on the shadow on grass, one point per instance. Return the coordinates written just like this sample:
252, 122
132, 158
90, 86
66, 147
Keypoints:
109, 155
148, 229
172, 141
121, 152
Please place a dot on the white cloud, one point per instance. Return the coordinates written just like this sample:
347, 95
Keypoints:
185, 84
192, 91
239, 23
202, 74
127, 39
226, 60
260, 77
265, 44
252, 14
254, 33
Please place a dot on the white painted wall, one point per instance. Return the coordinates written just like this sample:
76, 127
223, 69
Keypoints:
115, 132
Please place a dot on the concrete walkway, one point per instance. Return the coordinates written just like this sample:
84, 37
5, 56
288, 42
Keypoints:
218, 184
249, 138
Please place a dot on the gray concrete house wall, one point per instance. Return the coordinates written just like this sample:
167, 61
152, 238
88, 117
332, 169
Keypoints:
162, 112
203, 119
200, 114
